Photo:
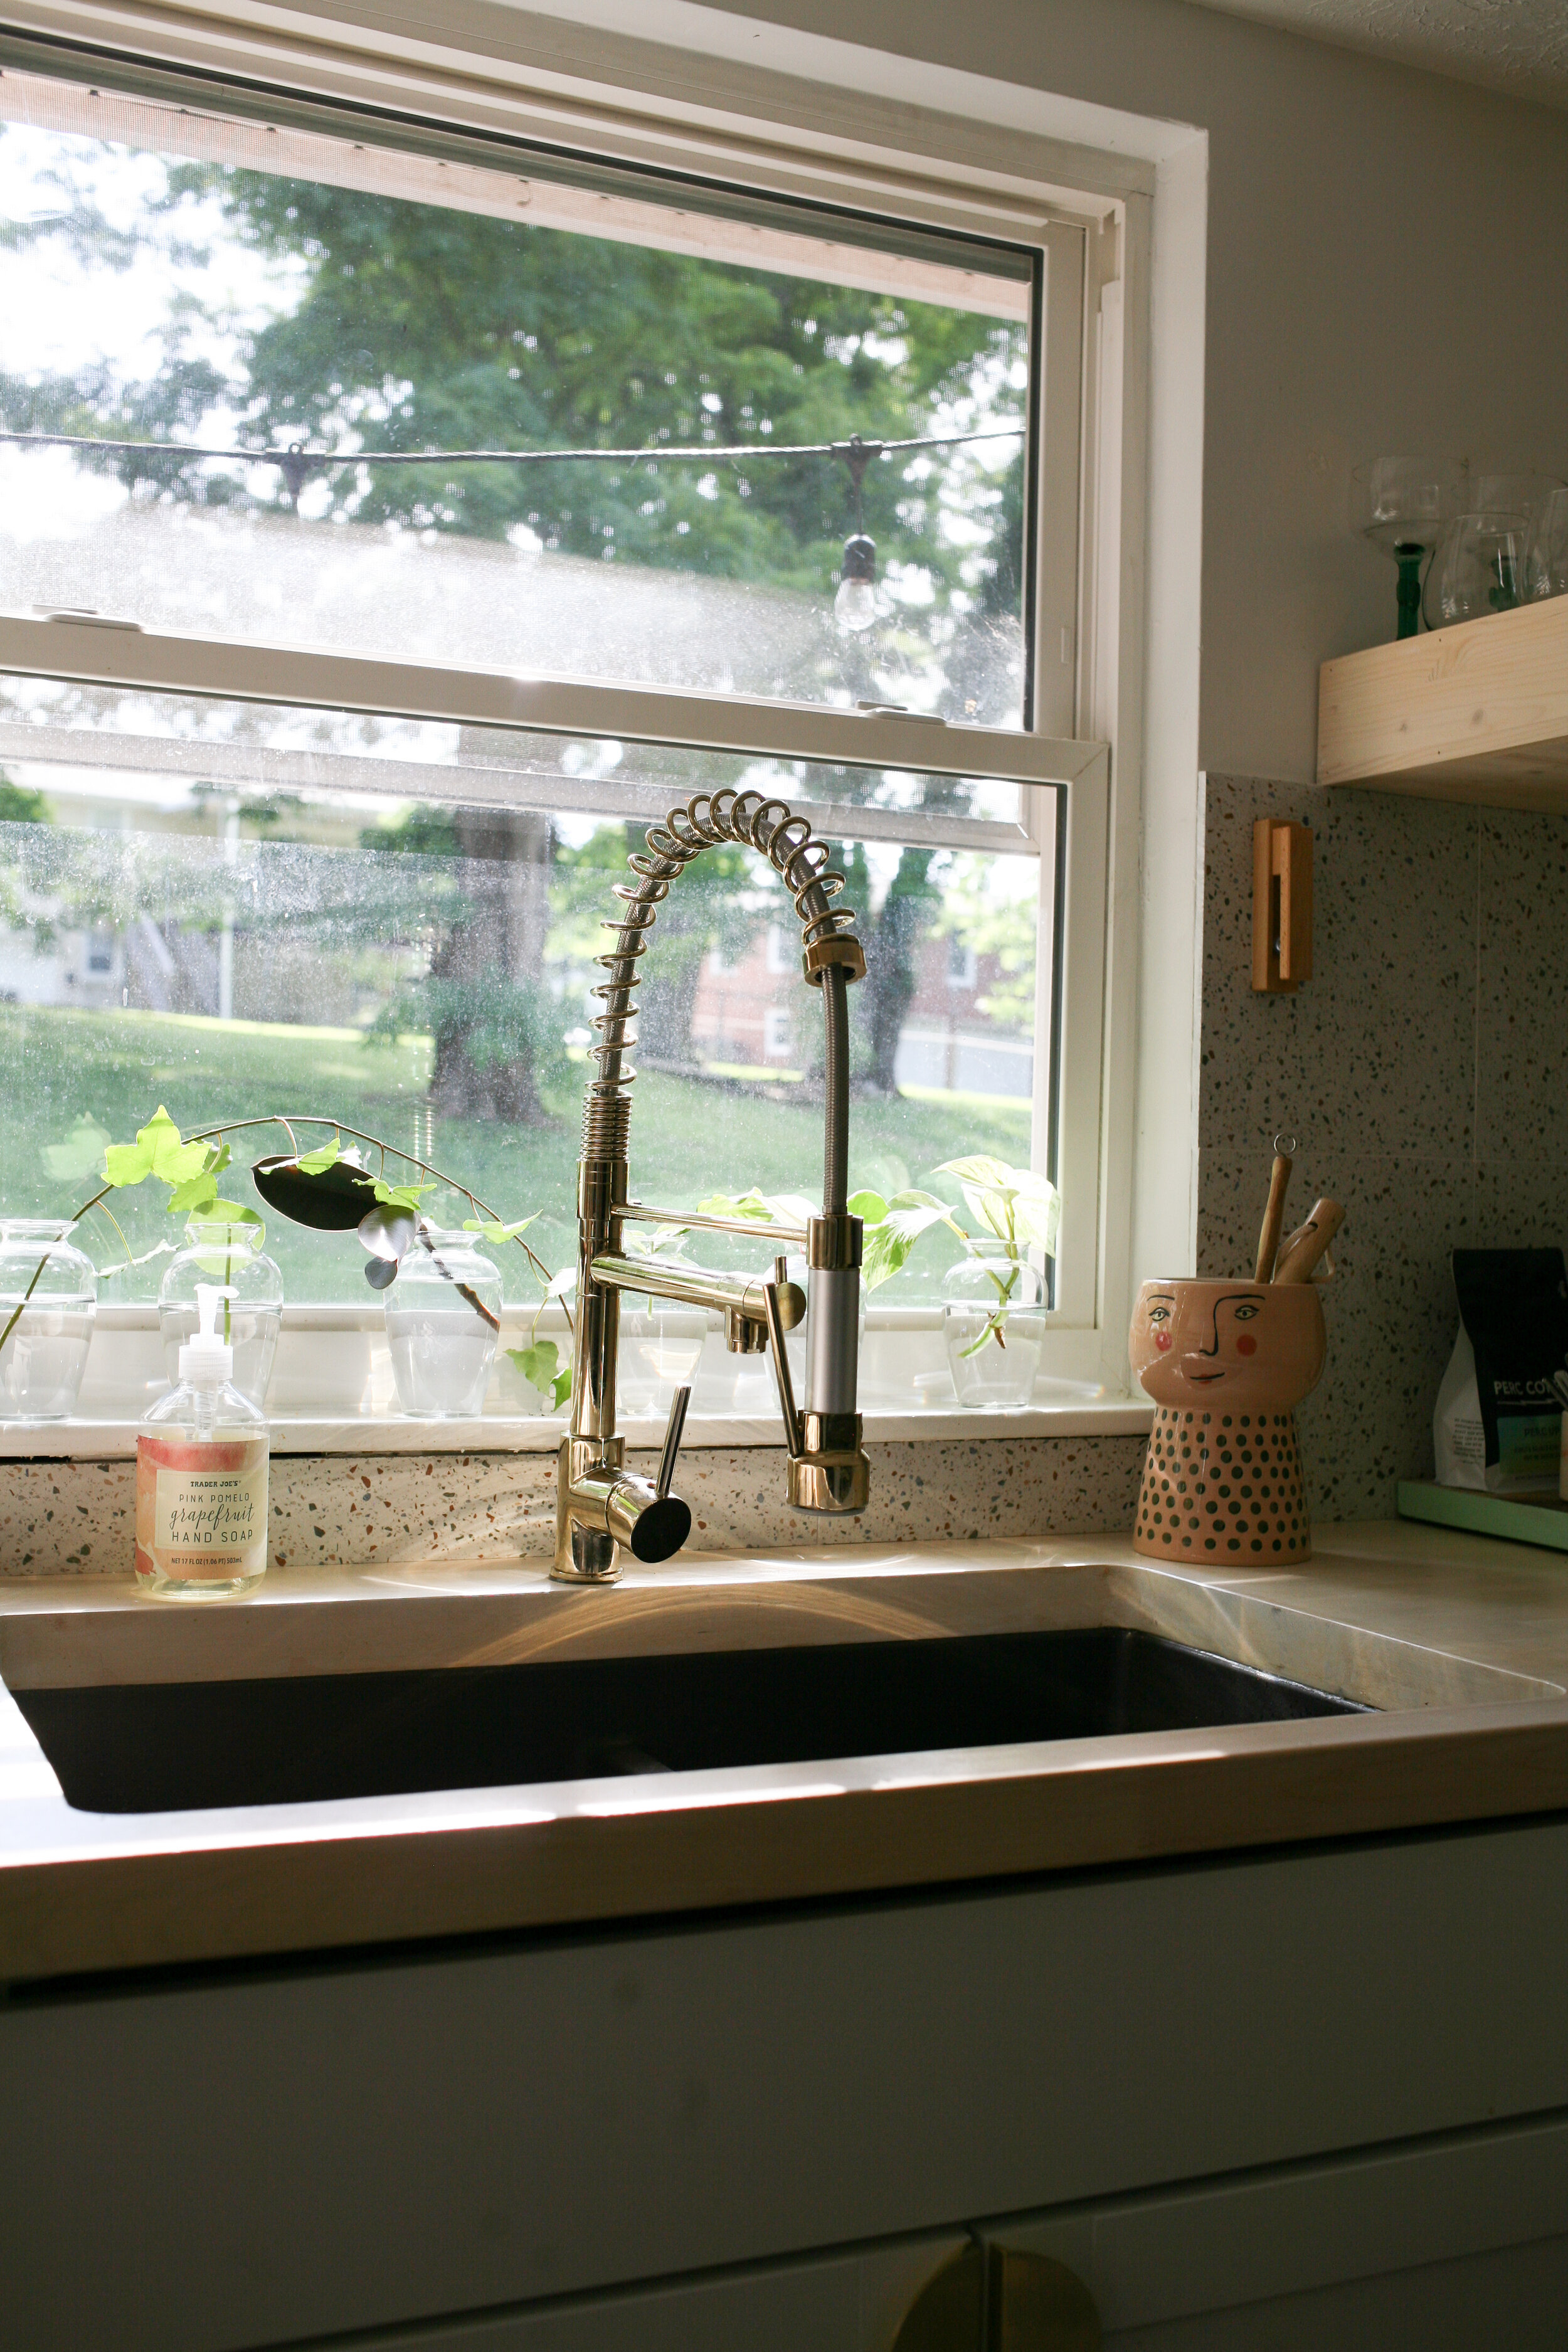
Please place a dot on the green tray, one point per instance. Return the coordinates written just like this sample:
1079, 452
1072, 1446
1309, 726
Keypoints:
1540, 1519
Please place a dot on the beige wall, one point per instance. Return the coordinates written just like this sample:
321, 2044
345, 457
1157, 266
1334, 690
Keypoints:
1387, 268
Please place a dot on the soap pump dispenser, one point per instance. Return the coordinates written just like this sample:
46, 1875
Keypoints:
201, 1475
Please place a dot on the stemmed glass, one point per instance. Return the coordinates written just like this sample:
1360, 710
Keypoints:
1403, 505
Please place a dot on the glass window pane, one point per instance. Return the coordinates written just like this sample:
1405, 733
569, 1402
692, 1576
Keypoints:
172, 276
418, 968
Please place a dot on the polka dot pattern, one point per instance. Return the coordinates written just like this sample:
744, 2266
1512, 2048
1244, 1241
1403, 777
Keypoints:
1225, 1486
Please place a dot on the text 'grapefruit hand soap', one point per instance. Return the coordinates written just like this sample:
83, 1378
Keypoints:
201, 1475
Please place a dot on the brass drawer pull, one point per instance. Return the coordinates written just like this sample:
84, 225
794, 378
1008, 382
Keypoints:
993, 2299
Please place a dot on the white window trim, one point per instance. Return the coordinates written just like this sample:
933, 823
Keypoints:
975, 155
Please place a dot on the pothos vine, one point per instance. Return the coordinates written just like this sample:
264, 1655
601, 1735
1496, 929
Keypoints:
395, 1223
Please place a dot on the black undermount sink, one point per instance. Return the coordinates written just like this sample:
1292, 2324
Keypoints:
153, 1746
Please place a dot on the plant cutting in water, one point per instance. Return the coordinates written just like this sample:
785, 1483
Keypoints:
330, 1189
1014, 1206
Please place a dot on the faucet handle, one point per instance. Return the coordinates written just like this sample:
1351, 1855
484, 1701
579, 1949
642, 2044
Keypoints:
793, 1440
672, 1430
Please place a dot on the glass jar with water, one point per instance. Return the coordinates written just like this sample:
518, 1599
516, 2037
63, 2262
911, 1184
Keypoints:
48, 1299
443, 1320
231, 1256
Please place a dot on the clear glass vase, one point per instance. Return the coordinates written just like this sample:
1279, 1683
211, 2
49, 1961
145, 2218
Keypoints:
233, 1257
661, 1342
994, 1321
443, 1320
48, 1299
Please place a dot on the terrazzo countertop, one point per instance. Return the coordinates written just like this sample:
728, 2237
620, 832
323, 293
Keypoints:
1460, 1641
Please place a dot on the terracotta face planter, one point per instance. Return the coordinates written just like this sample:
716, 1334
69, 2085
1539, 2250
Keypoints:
1226, 1363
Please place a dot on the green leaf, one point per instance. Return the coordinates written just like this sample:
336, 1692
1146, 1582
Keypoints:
486, 1227
194, 1197
399, 1196
978, 1168
1013, 1204
541, 1366
869, 1207
1040, 1216
667, 1242
158, 1151
81, 1153
325, 1156
760, 1208
890, 1241
230, 1212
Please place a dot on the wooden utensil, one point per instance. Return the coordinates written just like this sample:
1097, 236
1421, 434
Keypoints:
1308, 1243
1274, 1214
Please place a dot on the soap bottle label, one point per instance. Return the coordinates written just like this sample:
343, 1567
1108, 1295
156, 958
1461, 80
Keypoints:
200, 1506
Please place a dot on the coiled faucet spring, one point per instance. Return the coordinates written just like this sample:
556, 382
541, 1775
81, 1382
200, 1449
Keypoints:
803, 862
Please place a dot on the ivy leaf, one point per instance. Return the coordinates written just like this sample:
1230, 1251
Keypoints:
890, 1240
869, 1207
541, 1367
395, 1196
81, 1153
486, 1228
231, 1212
158, 1151
325, 1156
195, 1198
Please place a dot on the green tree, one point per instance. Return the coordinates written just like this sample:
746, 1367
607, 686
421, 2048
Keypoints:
408, 326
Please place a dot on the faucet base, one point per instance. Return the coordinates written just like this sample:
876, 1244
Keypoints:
585, 1554
830, 1472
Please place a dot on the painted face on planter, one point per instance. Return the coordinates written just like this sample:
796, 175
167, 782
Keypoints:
1238, 1346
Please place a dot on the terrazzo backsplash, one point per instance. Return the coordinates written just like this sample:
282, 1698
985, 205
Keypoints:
1424, 1070
76, 1518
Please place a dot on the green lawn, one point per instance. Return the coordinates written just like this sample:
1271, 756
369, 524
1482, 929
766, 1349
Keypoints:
688, 1138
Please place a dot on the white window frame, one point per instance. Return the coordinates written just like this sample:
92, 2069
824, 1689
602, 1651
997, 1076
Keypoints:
1091, 209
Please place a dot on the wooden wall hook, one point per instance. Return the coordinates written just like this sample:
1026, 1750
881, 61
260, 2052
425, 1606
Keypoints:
1282, 904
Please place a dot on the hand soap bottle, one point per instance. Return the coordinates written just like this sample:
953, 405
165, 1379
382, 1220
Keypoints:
201, 1476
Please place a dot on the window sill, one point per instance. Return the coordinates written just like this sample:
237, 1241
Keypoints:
332, 1393
92, 1440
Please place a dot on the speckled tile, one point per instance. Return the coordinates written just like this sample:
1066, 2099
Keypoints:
65, 1517
1521, 1046
1376, 1053
1521, 1202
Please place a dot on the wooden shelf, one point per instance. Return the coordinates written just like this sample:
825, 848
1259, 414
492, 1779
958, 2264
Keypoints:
1475, 713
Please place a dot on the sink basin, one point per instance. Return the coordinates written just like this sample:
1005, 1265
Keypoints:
153, 1747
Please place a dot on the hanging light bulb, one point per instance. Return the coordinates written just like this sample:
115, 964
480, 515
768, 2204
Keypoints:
855, 605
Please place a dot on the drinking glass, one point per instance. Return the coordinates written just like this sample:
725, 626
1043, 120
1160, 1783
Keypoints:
1402, 505
1479, 568
1546, 562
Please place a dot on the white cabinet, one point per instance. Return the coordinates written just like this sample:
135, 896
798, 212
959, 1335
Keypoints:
217, 2161
1450, 2245
851, 2302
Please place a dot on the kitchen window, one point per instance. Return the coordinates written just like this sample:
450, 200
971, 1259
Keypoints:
393, 524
